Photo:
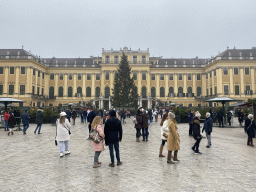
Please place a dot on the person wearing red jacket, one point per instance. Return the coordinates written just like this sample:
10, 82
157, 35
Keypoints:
6, 118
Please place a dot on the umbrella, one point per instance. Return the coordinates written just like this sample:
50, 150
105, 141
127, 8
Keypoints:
6, 101
173, 104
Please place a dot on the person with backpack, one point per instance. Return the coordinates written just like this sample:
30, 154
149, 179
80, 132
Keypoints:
11, 123
39, 120
138, 124
74, 115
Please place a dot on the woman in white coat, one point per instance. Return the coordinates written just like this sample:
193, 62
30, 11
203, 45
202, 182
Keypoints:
63, 130
164, 133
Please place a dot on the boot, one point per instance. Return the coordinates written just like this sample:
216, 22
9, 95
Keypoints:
175, 156
137, 139
248, 142
169, 160
252, 142
161, 151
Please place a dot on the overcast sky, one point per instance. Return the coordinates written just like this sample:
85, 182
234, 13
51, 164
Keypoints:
169, 28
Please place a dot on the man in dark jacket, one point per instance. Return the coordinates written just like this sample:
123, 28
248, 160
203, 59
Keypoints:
190, 117
39, 120
25, 121
145, 126
220, 116
208, 128
84, 115
68, 112
74, 115
90, 118
113, 135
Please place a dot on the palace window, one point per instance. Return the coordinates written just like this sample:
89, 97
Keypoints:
97, 91
79, 76
144, 92
236, 89
33, 90
70, 91
162, 92
198, 76
215, 90
11, 89
115, 76
134, 59
247, 90
51, 92
70, 76
107, 76
180, 92
189, 77
22, 89
60, 92
97, 76
88, 91
52, 76
171, 77
161, 76
171, 92
143, 76
214, 72
143, 59
107, 59
61, 76
43, 75
116, 60
1, 70
11, 70
34, 72
22, 70
1, 89
226, 92
42, 91
107, 92
180, 76
38, 90
153, 77
236, 71
134, 76
79, 91
88, 76
246, 71
225, 71
153, 92
198, 91
210, 74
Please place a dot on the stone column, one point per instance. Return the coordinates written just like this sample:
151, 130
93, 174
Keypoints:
17, 74
93, 86
149, 99
203, 84
185, 89
28, 86
111, 81
231, 82
209, 83
84, 85
166, 84
6, 76
36, 76
148, 83
139, 78
194, 84
40, 84
102, 80
157, 85
46, 83
219, 81
242, 80
74, 84
56, 87
253, 79
175, 83
213, 89
65, 88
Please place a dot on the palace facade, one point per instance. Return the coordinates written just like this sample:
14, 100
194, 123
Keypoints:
189, 82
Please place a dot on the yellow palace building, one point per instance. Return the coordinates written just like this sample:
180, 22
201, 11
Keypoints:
58, 81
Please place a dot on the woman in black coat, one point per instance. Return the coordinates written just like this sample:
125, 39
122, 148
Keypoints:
139, 124
11, 123
196, 132
249, 128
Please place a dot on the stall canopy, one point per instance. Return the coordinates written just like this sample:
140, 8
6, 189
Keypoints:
7, 100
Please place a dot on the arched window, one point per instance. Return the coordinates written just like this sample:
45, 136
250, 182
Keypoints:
153, 92
198, 91
171, 92
51, 92
144, 92
189, 92
107, 92
79, 91
162, 92
60, 92
180, 91
70, 91
97, 91
88, 91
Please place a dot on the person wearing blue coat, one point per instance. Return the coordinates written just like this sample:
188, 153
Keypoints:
25, 121
249, 128
208, 128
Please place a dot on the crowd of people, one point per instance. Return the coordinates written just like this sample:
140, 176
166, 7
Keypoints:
111, 134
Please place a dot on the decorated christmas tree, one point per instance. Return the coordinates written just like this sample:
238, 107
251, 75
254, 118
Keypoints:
125, 91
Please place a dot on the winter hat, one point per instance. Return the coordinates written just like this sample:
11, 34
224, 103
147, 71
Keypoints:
171, 115
63, 114
197, 114
112, 113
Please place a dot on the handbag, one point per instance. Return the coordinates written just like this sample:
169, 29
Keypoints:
165, 135
134, 120
95, 136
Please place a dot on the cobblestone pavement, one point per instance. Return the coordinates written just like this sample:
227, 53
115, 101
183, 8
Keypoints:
31, 162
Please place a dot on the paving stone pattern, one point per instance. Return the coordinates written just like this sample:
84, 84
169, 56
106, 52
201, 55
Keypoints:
31, 162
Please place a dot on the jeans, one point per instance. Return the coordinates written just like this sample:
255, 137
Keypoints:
6, 126
208, 135
96, 156
61, 143
163, 142
38, 127
84, 118
220, 122
116, 146
25, 127
138, 134
145, 133
196, 145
